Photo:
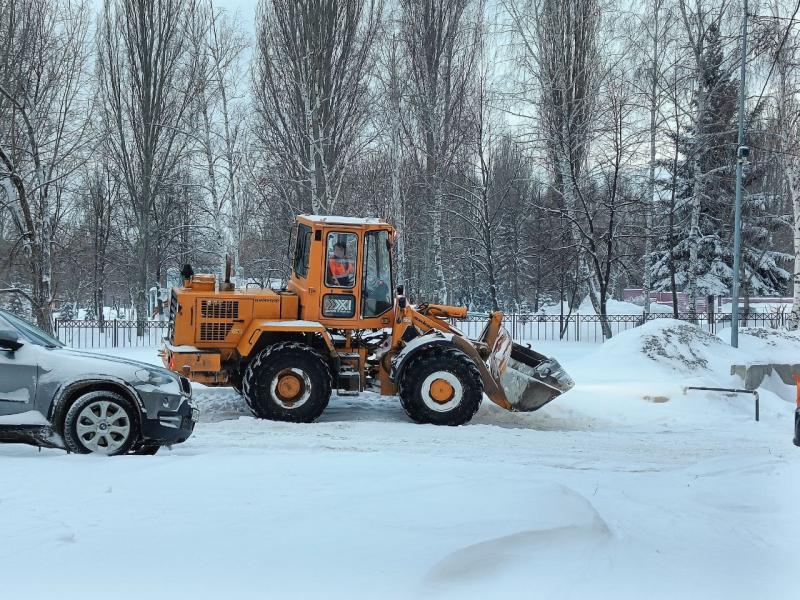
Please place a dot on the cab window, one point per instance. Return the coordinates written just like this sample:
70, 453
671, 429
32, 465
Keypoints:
340, 262
302, 250
377, 275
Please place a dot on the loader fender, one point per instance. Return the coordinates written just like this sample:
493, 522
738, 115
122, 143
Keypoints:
258, 327
419, 344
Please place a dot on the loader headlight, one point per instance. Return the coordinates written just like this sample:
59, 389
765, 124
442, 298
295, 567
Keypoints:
338, 305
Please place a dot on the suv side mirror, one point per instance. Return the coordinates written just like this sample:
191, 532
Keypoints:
9, 340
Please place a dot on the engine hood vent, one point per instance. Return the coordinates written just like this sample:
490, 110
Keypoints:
219, 309
214, 332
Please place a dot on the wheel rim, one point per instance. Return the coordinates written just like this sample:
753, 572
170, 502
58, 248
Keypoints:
442, 391
103, 426
291, 388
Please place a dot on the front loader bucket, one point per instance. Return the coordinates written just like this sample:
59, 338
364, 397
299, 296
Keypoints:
531, 379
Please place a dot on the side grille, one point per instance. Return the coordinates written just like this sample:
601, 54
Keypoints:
214, 332
219, 309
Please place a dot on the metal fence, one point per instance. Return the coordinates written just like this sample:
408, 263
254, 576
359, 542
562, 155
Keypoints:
572, 328
112, 333
589, 328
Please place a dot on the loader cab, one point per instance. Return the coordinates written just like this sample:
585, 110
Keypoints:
342, 271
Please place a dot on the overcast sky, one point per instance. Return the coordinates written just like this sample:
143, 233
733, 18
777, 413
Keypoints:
246, 8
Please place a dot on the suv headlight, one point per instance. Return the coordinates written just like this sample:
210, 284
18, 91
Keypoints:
152, 377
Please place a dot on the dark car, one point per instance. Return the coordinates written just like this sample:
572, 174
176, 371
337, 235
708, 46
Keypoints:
58, 397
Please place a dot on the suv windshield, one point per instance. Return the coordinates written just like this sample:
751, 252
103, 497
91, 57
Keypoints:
29, 332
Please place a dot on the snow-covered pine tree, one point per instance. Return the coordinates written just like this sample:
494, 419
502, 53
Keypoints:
702, 252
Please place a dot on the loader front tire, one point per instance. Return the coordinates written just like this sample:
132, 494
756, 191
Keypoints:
441, 386
287, 382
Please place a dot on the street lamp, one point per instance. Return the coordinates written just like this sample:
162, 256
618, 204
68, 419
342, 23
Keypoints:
742, 154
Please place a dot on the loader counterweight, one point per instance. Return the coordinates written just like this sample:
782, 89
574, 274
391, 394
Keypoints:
338, 326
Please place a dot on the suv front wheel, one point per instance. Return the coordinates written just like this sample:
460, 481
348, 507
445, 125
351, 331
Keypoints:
100, 422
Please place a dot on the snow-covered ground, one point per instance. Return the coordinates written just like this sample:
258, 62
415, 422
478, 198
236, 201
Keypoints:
625, 487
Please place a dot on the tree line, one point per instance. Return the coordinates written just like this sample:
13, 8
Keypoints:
530, 152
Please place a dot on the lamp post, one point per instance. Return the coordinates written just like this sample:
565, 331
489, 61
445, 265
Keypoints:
742, 153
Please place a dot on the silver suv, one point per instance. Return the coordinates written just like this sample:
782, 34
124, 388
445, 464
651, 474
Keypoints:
57, 397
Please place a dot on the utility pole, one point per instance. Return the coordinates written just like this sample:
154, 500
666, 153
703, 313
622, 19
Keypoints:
742, 153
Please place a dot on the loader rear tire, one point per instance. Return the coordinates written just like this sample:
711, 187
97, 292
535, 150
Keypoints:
459, 393
287, 382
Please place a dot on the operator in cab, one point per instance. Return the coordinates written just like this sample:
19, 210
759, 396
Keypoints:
340, 269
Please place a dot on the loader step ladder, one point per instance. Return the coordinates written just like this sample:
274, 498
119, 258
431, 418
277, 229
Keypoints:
349, 379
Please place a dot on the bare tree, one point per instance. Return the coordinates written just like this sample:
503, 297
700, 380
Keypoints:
391, 74
102, 196
441, 44
147, 81
481, 192
677, 89
218, 43
655, 24
44, 113
311, 73
559, 45
784, 48
606, 221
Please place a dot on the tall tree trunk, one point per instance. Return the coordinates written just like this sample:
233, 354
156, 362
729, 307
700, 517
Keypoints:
398, 210
694, 232
649, 203
438, 262
142, 273
42, 283
233, 189
794, 195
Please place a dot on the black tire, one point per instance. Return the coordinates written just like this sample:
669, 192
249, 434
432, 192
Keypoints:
292, 359
82, 442
236, 385
456, 366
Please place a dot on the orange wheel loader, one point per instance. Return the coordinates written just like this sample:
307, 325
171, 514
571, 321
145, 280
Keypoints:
341, 326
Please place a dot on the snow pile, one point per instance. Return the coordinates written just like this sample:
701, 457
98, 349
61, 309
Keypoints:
689, 350
219, 403
639, 379
766, 345
683, 346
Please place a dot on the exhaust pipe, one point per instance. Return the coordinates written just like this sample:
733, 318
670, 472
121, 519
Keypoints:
226, 285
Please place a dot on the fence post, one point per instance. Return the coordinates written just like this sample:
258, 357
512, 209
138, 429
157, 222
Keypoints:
710, 314
55, 327
577, 327
114, 335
